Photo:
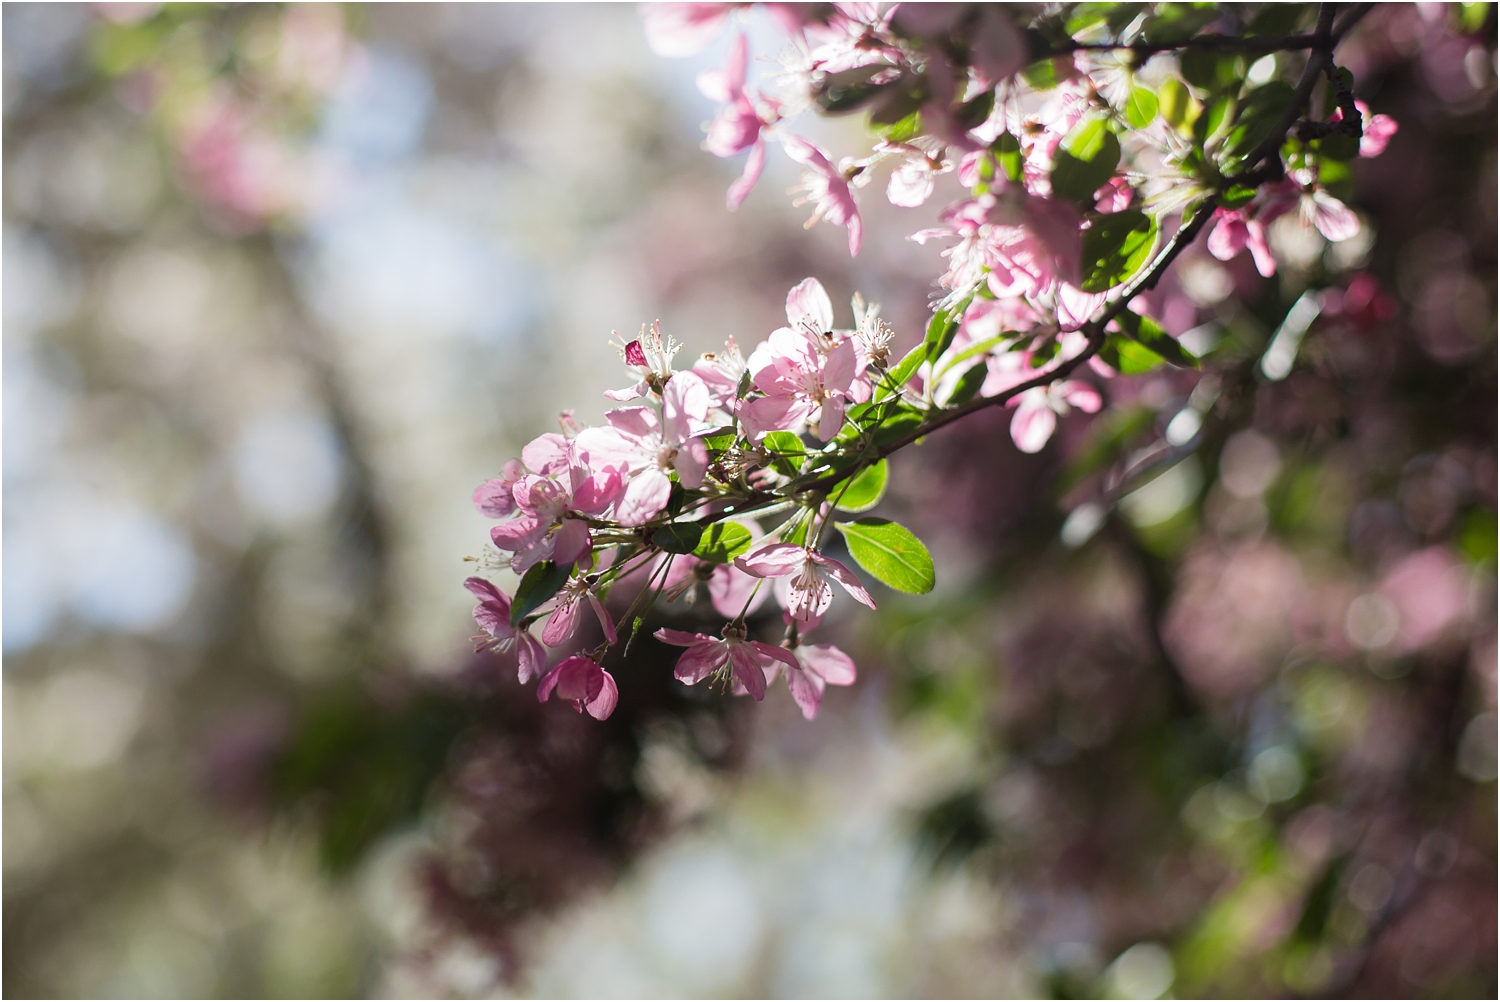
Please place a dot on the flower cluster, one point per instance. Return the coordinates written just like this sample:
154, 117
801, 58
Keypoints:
1081, 173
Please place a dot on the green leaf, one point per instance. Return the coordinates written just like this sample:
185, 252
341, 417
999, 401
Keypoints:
1128, 357
722, 542
891, 553
971, 114
900, 102
1472, 16
968, 385
849, 90
1140, 109
1220, 113
1237, 195
537, 585
864, 491
718, 443
904, 370
941, 329
1176, 103
786, 451
898, 132
1043, 75
978, 348
1262, 108
677, 537
1086, 159
1337, 147
1177, 22
1007, 149
1148, 332
1282, 18
1115, 247
900, 423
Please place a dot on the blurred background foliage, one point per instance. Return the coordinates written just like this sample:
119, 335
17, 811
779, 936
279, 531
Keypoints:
1204, 703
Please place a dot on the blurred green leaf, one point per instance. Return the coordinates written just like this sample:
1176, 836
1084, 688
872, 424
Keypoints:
1477, 537
1177, 22
1141, 108
721, 542
1116, 246
1085, 160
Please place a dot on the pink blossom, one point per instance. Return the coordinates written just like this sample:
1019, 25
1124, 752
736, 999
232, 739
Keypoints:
1038, 408
826, 188
739, 123
493, 497
1075, 307
550, 525
820, 665
645, 449
1020, 244
585, 683
1333, 218
803, 572
682, 29
649, 357
564, 619
1377, 129
733, 658
1233, 232
1115, 196
731, 590
721, 373
493, 616
800, 383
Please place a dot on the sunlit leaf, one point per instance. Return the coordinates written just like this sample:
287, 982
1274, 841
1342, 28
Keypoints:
722, 542
1086, 159
864, 491
890, 552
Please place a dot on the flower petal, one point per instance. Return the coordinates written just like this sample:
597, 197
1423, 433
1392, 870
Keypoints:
772, 560
828, 663
747, 670
603, 704
845, 577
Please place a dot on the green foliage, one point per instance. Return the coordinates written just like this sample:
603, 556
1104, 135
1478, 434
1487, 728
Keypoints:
370, 768
1008, 154
721, 542
904, 370
1115, 247
1477, 538
1150, 334
1046, 74
1141, 108
1109, 437
1177, 22
677, 537
1259, 113
1129, 357
539, 583
1176, 103
942, 328
968, 385
864, 491
787, 452
1085, 160
890, 552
